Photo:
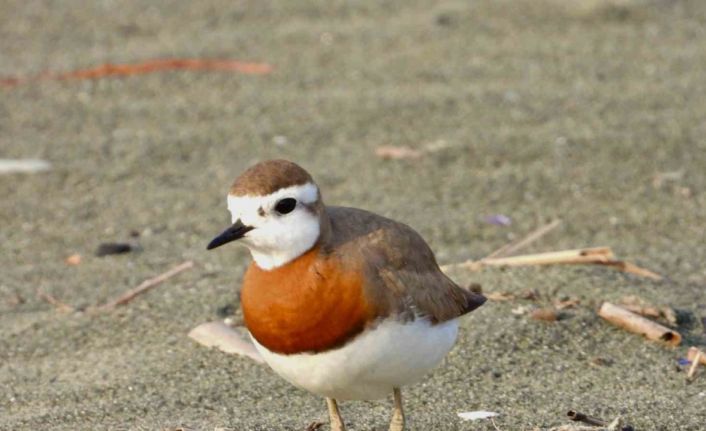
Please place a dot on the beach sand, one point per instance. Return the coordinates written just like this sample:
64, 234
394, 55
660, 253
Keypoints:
588, 111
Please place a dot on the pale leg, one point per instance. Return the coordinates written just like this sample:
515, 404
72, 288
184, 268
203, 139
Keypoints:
335, 415
397, 422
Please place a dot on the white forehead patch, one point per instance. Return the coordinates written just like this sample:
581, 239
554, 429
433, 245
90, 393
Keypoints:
276, 239
247, 208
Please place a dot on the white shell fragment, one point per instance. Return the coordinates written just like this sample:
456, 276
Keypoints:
480, 414
223, 337
11, 166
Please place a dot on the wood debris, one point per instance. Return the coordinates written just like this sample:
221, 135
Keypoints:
562, 304
224, 338
632, 269
635, 323
391, 152
695, 363
593, 422
692, 355
545, 314
59, 305
696, 357
577, 256
643, 308
504, 256
581, 256
584, 418
141, 68
499, 296
404, 152
514, 247
145, 286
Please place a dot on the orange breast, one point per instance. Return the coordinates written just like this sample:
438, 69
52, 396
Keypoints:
308, 305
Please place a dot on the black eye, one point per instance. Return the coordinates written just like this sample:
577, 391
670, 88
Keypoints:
286, 205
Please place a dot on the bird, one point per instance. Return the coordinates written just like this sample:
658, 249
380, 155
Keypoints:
341, 302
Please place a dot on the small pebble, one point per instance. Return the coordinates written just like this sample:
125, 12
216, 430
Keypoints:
108, 248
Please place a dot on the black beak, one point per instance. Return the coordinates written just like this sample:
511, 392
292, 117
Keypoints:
237, 231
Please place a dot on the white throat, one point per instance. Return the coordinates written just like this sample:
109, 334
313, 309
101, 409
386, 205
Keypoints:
277, 239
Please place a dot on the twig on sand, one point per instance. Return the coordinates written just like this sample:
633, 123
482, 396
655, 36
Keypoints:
643, 308
59, 305
499, 296
223, 337
581, 256
632, 269
691, 355
614, 425
584, 418
314, 426
696, 356
398, 153
141, 68
638, 324
545, 314
577, 256
513, 247
145, 286
504, 256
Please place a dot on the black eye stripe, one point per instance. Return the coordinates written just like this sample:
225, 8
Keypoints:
286, 205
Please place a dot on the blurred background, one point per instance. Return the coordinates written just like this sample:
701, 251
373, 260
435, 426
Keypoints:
444, 115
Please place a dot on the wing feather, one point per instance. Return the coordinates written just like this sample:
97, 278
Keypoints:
403, 278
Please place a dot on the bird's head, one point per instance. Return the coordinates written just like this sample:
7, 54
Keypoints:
276, 211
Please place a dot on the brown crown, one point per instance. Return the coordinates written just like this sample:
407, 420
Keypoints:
268, 177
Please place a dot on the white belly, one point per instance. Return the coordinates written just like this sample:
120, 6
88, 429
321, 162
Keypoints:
391, 355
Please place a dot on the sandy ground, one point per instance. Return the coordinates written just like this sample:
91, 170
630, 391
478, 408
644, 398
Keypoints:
538, 110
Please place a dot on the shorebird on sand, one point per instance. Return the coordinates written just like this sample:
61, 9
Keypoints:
341, 302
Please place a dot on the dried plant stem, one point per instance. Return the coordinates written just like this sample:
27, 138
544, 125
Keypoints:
60, 306
514, 247
638, 324
632, 269
149, 66
695, 359
145, 286
582, 256
578, 256
584, 418
694, 364
691, 356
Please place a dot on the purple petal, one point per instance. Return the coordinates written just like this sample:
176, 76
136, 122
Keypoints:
498, 220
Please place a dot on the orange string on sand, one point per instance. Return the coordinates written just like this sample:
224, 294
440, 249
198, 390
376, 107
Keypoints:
150, 66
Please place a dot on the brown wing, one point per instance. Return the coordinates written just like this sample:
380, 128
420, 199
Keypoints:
403, 278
